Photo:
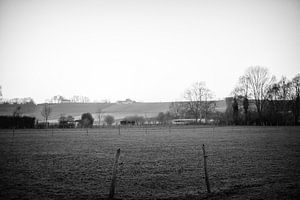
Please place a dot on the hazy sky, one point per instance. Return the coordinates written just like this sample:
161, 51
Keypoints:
143, 50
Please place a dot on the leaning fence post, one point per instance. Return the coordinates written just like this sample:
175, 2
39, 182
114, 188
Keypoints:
114, 176
205, 170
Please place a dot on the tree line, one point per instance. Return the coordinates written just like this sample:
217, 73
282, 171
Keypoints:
275, 102
257, 99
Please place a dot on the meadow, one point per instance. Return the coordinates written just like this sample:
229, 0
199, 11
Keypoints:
155, 163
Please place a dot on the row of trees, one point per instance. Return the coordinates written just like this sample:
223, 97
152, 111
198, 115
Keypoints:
26, 100
275, 102
74, 99
258, 98
86, 120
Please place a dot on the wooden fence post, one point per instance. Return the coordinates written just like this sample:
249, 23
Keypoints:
114, 176
205, 170
119, 127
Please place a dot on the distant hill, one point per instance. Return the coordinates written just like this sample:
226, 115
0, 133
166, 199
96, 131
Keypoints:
119, 111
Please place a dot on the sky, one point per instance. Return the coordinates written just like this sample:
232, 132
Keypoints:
149, 51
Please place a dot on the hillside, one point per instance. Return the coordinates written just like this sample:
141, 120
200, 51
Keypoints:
76, 109
119, 111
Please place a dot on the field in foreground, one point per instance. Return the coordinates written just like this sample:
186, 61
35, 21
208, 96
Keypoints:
243, 163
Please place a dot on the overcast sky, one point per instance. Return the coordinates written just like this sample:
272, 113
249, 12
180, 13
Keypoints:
143, 50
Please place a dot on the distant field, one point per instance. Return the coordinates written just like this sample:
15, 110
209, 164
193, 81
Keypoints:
243, 163
76, 109
119, 111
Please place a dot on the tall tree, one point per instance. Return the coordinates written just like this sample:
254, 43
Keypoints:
296, 97
273, 101
259, 81
285, 94
99, 115
197, 98
177, 110
16, 116
45, 112
235, 109
242, 91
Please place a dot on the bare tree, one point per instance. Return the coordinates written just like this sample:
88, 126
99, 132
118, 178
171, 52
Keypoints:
296, 97
296, 84
259, 81
45, 112
197, 97
241, 91
209, 106
99, 115
242, 88
17, 111
80, 99
177, 109
16, 114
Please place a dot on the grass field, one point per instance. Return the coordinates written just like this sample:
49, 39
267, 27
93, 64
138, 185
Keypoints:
243, 163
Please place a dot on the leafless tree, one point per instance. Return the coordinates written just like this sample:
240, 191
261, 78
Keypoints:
16, 114
242, 88
197, 97
296, 84
99, 115
259, 81
296, 97
45, 112
17, 111
177, 109
80, 99
241, 92
284, 89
